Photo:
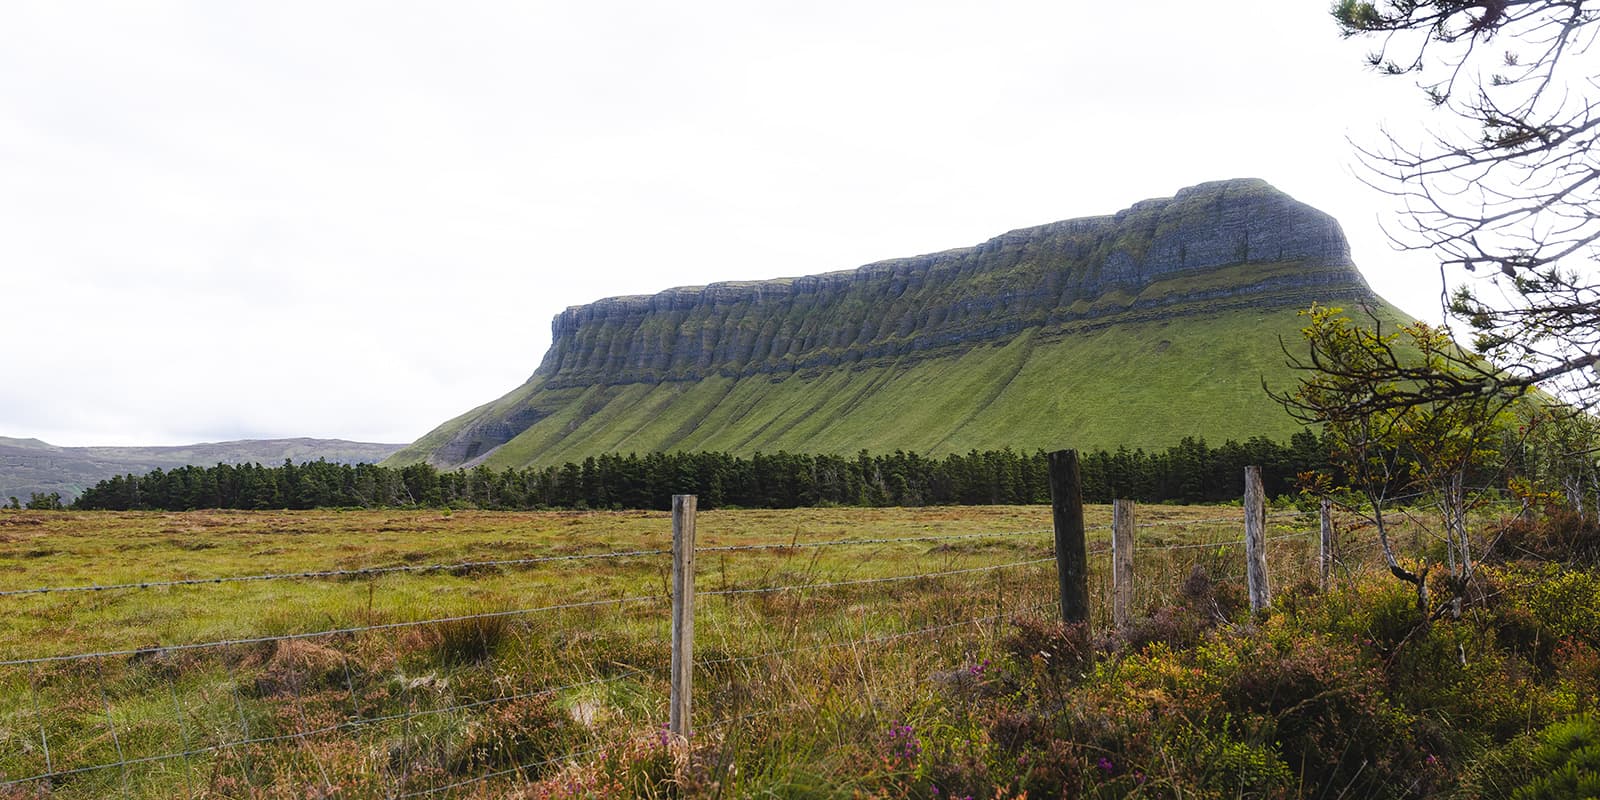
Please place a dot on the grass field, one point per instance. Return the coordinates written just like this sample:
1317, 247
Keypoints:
546, 677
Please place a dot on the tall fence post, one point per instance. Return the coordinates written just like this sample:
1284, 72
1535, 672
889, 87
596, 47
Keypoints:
683, 508
1122, 527
1325, 546
1255, 539
1072, 557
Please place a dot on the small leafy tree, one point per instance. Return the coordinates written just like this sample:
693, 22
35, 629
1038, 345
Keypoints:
1562, 455
1361, 384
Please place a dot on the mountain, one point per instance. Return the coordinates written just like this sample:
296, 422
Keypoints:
1134, 329
29, 465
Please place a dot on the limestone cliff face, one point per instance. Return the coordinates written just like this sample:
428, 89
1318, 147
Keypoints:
1228, 246
1052, 274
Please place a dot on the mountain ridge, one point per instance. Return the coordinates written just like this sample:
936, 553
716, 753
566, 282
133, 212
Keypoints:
31, 465
685, 368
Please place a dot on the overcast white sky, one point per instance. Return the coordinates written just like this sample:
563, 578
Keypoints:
356, 219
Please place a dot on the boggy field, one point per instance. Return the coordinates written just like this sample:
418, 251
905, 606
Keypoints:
839, 652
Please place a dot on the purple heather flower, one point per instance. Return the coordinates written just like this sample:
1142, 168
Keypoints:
1105, 764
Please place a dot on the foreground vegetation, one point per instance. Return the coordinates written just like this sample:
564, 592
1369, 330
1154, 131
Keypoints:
942, 686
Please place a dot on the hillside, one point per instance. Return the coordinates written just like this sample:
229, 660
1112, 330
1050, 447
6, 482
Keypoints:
1131, 329
29, 465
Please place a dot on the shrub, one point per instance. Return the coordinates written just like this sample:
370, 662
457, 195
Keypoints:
526, 733
1559, 535
1568, 603
1014, 731
1325, 712
1057, 648
1204, 604
1212, 764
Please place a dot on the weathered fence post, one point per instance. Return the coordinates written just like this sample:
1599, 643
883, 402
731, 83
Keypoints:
1325, 549
1072, 557
683, 508
1255, 539
1122, 526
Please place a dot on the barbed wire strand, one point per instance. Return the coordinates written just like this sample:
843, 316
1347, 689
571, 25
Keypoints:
172, 648
862, 581
514, 612
304, 743
1222, 544
517, 769
111, 722
244, 728
520, 768
731, 548
506, 562
331, 573
38, 714
870, 640
726, 721
408, 692
356, 572
411, 714
1239, 518
250, 741
183, 735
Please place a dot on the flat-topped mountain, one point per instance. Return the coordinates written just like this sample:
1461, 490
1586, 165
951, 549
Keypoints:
1130, 329
29, 465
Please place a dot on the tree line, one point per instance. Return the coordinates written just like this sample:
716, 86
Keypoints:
1189, 472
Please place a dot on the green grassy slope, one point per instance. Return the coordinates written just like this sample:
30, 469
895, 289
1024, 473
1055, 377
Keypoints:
1138, 383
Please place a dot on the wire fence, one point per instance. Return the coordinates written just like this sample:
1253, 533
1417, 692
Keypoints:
445, 704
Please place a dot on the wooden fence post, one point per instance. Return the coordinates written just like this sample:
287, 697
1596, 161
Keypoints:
1122, 527
1325, 549
1255, 539
683, 508
1072, 558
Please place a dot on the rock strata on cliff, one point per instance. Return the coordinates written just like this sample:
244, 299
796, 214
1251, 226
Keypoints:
1043, 276
1231, 246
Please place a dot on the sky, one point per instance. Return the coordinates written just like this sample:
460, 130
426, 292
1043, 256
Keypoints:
356, 220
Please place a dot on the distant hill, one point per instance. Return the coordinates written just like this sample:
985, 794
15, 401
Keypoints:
1131, 329
29, 465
